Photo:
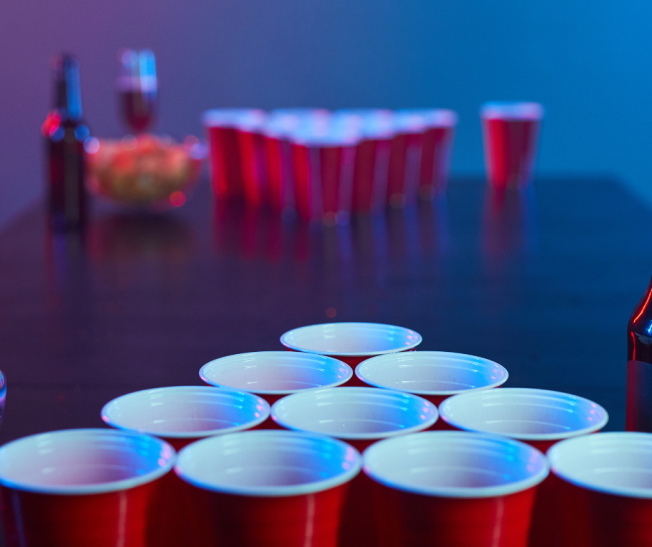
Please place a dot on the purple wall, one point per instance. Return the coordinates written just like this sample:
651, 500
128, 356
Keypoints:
588, 63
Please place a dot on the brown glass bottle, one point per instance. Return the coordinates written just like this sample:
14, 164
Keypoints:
639, 366
65, 133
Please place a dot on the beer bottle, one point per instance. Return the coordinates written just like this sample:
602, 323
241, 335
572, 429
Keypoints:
65, 133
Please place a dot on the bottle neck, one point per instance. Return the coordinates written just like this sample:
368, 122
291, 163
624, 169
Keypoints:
67, 91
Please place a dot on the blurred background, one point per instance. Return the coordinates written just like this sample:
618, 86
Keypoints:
590, 64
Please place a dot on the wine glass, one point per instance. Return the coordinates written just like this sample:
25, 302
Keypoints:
137, 89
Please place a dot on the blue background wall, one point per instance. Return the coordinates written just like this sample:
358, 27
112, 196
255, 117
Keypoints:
590, 63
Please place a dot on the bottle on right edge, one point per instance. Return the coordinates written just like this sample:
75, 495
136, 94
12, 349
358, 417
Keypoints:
639, 366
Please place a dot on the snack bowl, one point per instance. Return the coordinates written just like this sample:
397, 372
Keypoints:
145, 171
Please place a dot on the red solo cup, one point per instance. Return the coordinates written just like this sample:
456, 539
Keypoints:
371, 170
405, 158
450, 488
323, 159
535, 416
275, 374
436, 150
511, 132
81, 487
351, 342
360, 416
606, 493
181, 415
236, 154
271, 488
281, 124
433, 375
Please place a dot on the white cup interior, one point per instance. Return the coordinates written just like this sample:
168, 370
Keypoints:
186, 411
351, 339
275, 372
615, 463
431, 372
83, 461
522, 413
268, 463
355, 412
455, 464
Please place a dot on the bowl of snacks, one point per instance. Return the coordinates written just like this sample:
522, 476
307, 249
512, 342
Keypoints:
144, 171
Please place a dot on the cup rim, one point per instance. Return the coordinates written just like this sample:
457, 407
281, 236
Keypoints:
438, 437
360, 369
203, 371
234, 118
208, 390
433, 117
270, 491
168, 456
512, 110
351, 391
618, 437
336, 325
506, 392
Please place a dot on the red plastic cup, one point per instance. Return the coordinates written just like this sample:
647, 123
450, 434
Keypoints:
535, 416
281, 124
81, 487
433, 375
323, 159
351, 342
371, 171
436, 150
405, 158
181, 415
236, 153
271, 488
606, 492
275, 374
360, 416
450, 488
511, 133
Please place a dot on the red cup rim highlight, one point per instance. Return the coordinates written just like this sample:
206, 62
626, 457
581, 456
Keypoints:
331, 131
512, 111
455, 464
543, 415
351, 339
610, 463
257, 372
51, 463
375, 123
437, 368
355, 413
220, 464
432, 118
182, 412
234, 118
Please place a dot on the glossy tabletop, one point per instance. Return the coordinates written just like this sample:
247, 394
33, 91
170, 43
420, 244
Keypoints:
542, 283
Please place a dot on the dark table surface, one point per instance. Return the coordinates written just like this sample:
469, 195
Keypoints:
542, 283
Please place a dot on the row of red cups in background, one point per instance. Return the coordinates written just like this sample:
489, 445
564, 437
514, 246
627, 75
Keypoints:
329, 165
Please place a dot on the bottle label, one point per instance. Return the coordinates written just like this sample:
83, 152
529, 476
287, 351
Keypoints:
639, 396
